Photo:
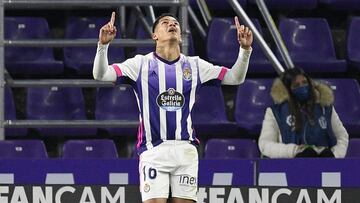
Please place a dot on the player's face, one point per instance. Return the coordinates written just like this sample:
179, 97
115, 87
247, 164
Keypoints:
167, 29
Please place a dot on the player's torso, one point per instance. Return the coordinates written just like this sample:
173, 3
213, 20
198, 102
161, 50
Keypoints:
170, 84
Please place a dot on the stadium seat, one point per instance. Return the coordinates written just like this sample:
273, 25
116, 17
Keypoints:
253, 97
209, 114
353, 148
141, 34
22, 149
57, 104
310, 44
10, 114
223, 47
289, 4
97, 148
231, 148
29, 60
341, 4
80, 59
118, 103
353, 42
347, 102
218, 5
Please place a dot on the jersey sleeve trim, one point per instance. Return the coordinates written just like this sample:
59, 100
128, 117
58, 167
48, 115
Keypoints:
117, 70
222, 73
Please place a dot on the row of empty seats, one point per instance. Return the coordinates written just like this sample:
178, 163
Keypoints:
286, 4
105, 148
209, 113
40, 61
97, 148
309, 42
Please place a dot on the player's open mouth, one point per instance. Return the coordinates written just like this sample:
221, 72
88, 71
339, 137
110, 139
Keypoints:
172, 30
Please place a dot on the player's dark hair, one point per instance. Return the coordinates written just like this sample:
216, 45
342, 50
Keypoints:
159, 18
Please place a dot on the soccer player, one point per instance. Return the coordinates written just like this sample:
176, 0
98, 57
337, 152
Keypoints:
165, 82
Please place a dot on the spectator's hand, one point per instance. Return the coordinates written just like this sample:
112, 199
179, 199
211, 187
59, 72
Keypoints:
327, 153
244, 35
108, 31
308, 152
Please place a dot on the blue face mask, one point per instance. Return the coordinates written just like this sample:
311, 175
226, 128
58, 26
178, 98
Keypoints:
301, 93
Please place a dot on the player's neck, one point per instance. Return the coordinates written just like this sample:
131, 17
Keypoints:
167, 52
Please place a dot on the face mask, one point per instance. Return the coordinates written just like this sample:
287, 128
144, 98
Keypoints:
301, 93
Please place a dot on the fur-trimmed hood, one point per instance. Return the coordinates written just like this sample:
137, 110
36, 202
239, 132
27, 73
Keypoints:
323, 93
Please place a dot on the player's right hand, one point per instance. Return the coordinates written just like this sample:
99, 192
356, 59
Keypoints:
108, 31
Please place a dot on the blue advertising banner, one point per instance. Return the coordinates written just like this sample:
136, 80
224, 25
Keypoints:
114, 171
309, 172
130, 194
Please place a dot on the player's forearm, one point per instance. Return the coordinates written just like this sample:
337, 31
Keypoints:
236, 75
101, 69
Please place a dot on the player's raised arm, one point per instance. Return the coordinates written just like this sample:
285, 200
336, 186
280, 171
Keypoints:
101, 69
108, 31
244, 35
236, 75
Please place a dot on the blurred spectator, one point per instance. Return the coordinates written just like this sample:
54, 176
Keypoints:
302, 122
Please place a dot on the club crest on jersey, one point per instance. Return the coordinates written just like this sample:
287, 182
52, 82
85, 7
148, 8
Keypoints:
171, 100
187, 74
146, 187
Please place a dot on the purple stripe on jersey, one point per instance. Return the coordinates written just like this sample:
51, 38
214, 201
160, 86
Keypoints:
170, 75
117, 70
187, 85
154, 112
222, 73
140, 135
196, 141
141, 145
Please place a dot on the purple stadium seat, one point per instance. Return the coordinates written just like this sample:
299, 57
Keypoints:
231, 148
289, 4
223, 46
353, 148
99, 148
81, 59
141, 34
57, 104
253, 97
209, 115
29, 60
353, 42
341, 4
310, 44
347, 102
218, 5
10, 114
117, 103
22, 149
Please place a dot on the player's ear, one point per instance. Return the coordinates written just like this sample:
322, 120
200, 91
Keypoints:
154, 36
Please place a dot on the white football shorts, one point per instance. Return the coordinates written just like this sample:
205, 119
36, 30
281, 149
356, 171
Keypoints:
171, 165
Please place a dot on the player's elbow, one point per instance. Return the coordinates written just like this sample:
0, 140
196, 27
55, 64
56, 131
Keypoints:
97, 76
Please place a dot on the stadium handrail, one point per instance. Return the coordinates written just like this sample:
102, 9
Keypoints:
266, 49
275, 33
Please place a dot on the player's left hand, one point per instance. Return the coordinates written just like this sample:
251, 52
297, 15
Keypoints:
244, 35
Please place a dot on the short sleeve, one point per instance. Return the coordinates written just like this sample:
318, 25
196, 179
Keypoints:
129, 68
208, 71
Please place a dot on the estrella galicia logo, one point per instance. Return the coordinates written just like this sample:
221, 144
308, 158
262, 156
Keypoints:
171, 100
